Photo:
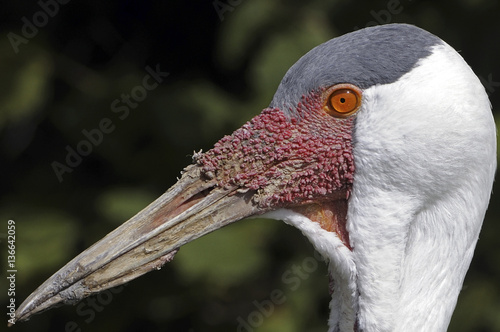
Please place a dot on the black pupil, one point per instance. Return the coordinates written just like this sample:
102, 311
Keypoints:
342, 100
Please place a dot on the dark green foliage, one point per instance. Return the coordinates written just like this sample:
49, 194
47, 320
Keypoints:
224, 61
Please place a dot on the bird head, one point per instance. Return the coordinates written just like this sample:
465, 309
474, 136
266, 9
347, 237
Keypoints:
378, 145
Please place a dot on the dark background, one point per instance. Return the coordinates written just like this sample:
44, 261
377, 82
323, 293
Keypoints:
223, 69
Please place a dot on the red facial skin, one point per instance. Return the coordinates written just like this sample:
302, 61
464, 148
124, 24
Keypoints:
288, 160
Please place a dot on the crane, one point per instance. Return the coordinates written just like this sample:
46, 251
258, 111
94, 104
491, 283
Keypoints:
379, 146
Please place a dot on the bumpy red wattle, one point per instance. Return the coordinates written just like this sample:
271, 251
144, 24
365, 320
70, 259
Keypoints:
287, 160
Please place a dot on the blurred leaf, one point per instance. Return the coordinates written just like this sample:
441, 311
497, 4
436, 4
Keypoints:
280, 52
27, 88
240, 30
120, 204
44, 240
227, 256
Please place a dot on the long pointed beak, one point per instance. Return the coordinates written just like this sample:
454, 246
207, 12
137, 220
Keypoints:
271, 162
191, 208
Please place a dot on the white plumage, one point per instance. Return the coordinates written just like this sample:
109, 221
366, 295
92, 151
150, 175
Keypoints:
425, 150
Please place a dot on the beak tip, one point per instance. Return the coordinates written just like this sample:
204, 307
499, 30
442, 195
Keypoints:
43, 300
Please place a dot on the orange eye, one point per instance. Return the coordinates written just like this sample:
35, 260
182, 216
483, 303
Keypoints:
342, 100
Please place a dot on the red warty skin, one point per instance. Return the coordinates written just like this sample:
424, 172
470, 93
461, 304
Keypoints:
288, 160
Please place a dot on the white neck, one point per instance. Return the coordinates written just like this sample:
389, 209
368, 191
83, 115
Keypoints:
410, 273
400, 276
341, 265
424, 150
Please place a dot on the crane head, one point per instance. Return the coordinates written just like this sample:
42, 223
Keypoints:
370, 148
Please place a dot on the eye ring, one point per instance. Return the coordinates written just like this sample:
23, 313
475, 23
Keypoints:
342, 100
